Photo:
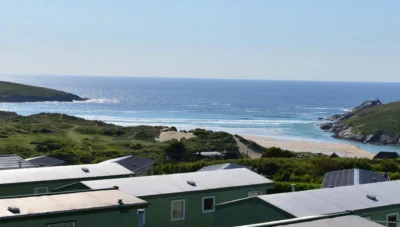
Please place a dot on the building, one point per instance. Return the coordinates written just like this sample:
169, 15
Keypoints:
377, 202
211, 155
352, 177
341, 220
221, 167
45, 179
45, 161
102, 208
334, 155
185, 199
386, 155
140, 166
12, 161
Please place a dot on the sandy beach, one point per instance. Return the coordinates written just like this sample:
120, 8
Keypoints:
343, 150
165, 136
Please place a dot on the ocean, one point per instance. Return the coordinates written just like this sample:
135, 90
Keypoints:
279, 109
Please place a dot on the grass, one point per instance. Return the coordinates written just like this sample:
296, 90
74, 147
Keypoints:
77, 140
380, 119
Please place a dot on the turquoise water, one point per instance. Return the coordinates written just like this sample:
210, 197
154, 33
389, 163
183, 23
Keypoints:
281, 109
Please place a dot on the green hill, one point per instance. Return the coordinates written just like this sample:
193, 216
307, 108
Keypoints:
374, 123
384, 119
13, 92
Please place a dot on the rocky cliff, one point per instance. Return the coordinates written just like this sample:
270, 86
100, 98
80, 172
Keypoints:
367, 123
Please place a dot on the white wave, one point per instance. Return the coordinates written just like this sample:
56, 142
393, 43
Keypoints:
101, 101
251, 111
216, 122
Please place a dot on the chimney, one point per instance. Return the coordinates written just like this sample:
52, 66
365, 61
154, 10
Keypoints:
293, 187
141, 213
19, 163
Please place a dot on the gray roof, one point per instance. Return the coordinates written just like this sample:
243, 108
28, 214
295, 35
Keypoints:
343, 221
221, 167
351, 177
45, 161
210, 153
45, 204
12, 161
334, 200
61, 173
133, 163
176, 183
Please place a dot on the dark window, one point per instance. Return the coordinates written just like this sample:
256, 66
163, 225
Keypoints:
208, 204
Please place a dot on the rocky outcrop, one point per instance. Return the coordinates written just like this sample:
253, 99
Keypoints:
340, 130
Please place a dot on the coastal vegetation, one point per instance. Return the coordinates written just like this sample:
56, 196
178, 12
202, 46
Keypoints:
14, 92
306, 173
76, 140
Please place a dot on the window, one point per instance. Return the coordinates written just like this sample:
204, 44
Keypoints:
177, 210
65, 224
254, 193
208, 204
41, 190
392, 219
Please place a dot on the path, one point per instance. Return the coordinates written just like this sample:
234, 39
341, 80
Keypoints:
244, 150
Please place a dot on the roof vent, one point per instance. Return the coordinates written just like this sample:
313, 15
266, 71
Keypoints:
115, 187
41, 164
374, 179
14, 210
134, 165
331, 186
192, 183
120, 202
86, 170
371, 197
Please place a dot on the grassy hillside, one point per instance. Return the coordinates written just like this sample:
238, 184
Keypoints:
76, 140
13, 92
382, 119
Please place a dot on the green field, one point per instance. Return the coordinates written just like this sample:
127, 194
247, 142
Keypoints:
76, 140
380, 119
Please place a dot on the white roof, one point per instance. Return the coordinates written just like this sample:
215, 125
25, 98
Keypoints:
66, 202
344, 221
175, 183
332, 200
341, 221
61, 173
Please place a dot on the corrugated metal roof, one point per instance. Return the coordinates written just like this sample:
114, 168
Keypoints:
45, 161
175, 183
12, 161
61, 173
333, 200
343, 221
66, 202
133, 163
221, 167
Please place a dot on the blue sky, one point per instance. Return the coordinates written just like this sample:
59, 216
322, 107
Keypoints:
356, 40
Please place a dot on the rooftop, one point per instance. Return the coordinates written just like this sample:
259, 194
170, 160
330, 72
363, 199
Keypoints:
133, 163
182, 182
12, 161
351, 177
386, 155
61, 173
342, 221
69, 202
221, 167
334, 200
45, 161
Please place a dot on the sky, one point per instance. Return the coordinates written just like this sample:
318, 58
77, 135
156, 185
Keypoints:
340, 40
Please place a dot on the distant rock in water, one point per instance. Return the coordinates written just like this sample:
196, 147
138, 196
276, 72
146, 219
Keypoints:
369, 122
13, 92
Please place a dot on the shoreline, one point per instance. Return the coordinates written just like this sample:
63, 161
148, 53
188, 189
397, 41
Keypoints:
343, 150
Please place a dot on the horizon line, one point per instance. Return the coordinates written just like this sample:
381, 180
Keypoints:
197, 78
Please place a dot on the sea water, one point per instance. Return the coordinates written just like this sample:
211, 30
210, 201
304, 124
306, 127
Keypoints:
279, 109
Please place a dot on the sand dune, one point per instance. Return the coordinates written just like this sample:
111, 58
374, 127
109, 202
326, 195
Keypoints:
165, 136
